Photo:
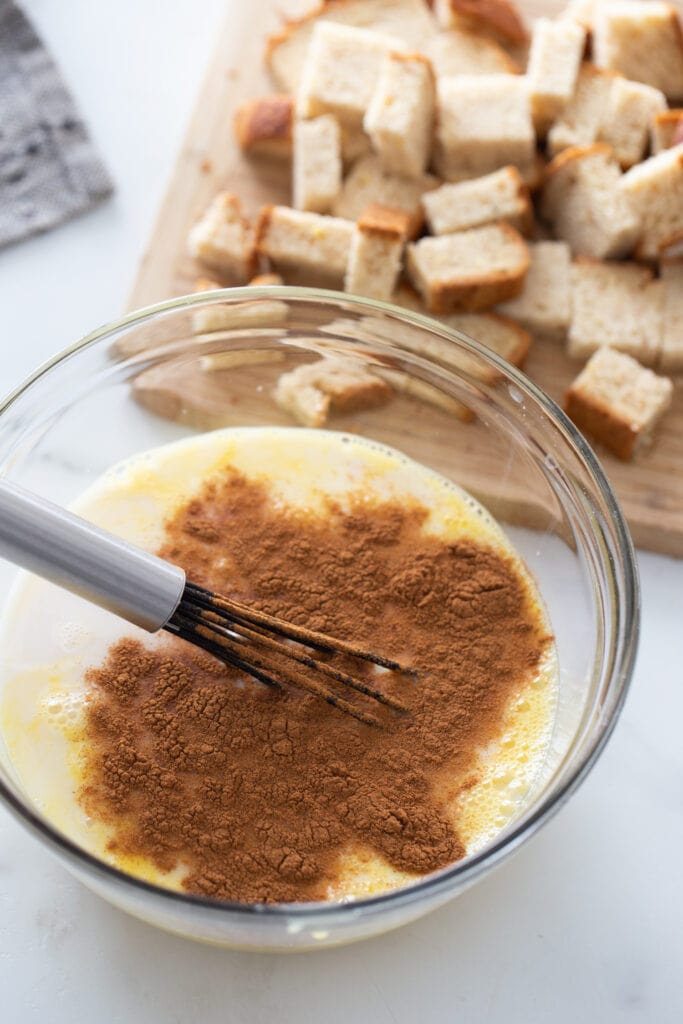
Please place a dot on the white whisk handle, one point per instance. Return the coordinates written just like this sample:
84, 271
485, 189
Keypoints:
74, 554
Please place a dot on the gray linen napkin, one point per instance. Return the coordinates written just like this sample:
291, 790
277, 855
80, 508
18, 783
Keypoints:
49, 171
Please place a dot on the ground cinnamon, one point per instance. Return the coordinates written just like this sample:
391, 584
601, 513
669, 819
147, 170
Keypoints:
256, 792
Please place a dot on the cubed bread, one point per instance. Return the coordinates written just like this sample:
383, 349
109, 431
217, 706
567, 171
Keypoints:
581, 120
333, 384
654, 190
554, 59
458, 52
483, 123
544, 306
228, 316
470, 270
223, 239
671, 355
499, 333
354, 144
642, 40
263, 127
457, 206
582, 201
317, 164
666, 130
629, 111
304, 241
341, 72
400, 118
618, 402
498, 18
615, 305
407, 20
376, 250
367, 182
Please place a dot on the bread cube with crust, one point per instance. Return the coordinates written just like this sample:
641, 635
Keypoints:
368, 182
641, 39
332, 384
554, 59
301, 241
483, 123
618, 402
470, 270
666, 130
317, 164
616, 305
341, 72
544, 306
501, 195
582, 201
654, 191
376, 250
411, 21
222, 238
263, 127
582, 118
400, 118
629, 111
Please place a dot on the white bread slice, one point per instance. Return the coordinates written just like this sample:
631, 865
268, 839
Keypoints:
306, 242
544, 307
483, 123
376, 250
581, 119
332, 384
400, 118
501, 195
499, 19
630, 109
457, 52
263, 127
666, 130
223, 239
671, 355
615, 305
407, 20
654, 190
367, 182
582, 201
470, 270
554, 59
618, 402
317, 164
341, 72
641, 39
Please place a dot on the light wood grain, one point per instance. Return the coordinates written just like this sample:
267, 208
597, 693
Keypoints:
650, 488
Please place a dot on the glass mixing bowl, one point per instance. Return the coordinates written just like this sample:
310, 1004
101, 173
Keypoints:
459, 409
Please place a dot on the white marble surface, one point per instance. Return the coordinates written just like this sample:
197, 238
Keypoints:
586, 923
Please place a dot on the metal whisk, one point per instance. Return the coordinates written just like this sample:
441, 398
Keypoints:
149, 592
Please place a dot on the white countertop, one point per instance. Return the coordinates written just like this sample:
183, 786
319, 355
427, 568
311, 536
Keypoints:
585, 924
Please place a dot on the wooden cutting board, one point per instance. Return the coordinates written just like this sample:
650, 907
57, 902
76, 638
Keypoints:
650, 488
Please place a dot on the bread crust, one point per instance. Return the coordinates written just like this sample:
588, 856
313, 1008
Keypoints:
572, 153
597, 419
499, 18
263, 127
385, 222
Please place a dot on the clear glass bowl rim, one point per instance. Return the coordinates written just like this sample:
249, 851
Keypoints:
622, 662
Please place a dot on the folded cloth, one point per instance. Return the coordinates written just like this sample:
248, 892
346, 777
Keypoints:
49, 171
